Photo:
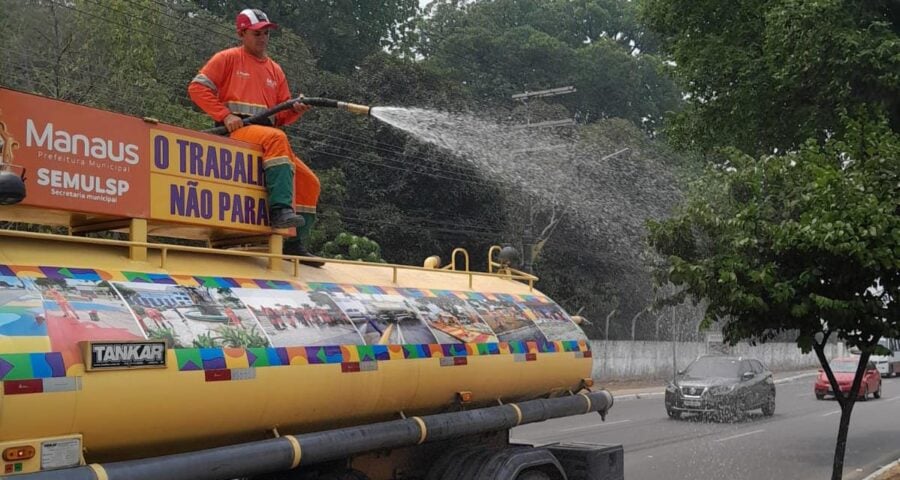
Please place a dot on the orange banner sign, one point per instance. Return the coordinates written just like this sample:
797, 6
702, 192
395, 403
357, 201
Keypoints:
76, 158
83, 159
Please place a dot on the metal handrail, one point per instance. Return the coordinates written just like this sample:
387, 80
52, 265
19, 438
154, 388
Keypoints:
295, 260
452, 264
490, 259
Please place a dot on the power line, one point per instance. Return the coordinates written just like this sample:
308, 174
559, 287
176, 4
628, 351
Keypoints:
392, 164
454, 231
433, 162
370, 143
470, 226
550, 92
450, 228
448, 172
456, 176
166, 7
420, 223
299, 134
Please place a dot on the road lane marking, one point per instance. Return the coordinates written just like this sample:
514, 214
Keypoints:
740, 435
659, 391
890, 399
831, 413
795, 377
588, 427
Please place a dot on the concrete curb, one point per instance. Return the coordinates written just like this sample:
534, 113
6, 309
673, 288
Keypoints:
657, 391
882, 470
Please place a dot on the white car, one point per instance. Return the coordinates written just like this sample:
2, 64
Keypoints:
888, 365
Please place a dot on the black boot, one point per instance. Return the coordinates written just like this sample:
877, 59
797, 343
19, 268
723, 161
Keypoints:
297, 248
285, 218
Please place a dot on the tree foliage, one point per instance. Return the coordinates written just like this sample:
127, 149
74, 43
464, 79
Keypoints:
341, 33
798, 226
806, 241
499, 48
768, 75
353, 247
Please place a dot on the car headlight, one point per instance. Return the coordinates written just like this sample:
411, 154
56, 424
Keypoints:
722, 389
671, 388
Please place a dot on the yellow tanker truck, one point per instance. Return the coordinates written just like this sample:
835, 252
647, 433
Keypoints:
133, 359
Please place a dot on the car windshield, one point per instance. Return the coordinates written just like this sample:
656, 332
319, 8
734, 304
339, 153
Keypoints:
713, 367
843, 367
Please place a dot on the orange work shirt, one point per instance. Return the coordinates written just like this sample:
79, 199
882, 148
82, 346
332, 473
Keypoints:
233, 81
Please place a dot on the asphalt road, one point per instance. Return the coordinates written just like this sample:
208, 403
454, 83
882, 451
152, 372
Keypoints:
796, 443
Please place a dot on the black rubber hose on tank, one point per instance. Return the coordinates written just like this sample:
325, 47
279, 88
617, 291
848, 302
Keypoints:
278, 454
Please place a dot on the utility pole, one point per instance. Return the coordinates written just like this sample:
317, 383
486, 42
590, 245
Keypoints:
674, 347
528, 231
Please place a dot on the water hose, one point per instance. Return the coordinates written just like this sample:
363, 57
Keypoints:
262, 118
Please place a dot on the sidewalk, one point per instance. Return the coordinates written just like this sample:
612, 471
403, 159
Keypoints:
888, 472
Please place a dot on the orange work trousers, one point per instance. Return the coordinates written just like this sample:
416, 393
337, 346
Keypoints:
277, 151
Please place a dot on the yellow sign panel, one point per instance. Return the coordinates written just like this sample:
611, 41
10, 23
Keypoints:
194, 180
180, 199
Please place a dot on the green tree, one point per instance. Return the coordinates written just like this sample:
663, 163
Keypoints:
807, 241
125, 56
576, 23
353, 247
766, 75
498, 48
341, 34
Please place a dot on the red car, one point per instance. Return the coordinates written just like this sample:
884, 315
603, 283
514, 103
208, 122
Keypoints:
844, 370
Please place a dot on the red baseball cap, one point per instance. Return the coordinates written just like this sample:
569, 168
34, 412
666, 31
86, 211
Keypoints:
253, 19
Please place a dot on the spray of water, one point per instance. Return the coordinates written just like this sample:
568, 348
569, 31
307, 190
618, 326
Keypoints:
610, 189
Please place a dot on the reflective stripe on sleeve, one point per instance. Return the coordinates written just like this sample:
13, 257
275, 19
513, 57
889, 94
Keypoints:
205, 81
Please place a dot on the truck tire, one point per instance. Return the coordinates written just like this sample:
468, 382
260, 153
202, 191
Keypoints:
513, 462
455, 459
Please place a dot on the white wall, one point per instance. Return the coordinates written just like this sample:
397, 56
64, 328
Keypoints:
625, 359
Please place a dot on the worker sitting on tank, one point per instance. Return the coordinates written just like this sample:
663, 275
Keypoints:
243, 81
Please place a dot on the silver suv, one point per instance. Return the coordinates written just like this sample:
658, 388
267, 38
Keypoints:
728, 386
